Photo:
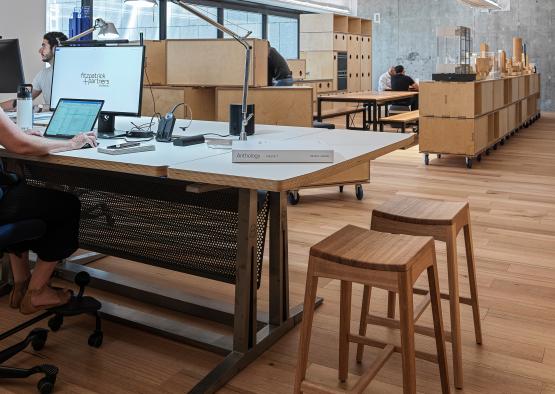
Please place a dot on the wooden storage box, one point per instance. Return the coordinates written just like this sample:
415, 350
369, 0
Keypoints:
355, 25
215, 62
498, 94
298, 68
455, 136
502, 123
366, 27
284, 106
155, 62
514, 89
321, 65
327, 41
523, 110
200, 100
456, 99
522, 87
512, 117
310, 23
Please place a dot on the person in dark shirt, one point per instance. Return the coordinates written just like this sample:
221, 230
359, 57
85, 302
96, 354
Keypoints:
279, 73
403, 83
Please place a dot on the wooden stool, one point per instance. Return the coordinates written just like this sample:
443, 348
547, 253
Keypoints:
388, 261
442, 220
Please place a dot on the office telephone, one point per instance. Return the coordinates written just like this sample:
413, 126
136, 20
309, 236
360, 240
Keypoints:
166, 125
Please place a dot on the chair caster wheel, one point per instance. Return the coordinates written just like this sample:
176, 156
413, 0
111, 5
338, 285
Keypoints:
96, 338
488, 152
39, 340
359, 192
426, 159
439, 155
293, 197
340, 189
46, 385
479, 158
56, 322
468, 161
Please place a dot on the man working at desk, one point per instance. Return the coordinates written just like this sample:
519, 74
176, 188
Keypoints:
42, 83
384, 82
279, 73
403, 83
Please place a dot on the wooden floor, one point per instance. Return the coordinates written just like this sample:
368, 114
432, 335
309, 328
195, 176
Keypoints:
512, 199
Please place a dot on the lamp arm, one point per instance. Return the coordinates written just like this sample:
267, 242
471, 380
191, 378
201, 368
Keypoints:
83, 34
242, 41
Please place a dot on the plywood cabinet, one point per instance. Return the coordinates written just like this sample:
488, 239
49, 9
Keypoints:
200, 100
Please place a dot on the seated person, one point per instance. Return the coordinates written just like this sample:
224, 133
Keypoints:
403, 83
384, 82
42, 83
279, 73
59, 210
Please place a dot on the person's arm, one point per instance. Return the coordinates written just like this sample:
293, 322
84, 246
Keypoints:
382, 83
36, 93
14, 140
8, 105
413, 85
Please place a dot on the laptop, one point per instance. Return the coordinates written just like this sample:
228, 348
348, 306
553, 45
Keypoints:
73, 116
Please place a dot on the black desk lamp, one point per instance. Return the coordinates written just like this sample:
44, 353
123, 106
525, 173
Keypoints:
241, 39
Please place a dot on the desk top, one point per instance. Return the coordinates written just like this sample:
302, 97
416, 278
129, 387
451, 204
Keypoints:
367, 96
199, 163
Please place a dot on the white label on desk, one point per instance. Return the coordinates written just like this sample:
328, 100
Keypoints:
281, 152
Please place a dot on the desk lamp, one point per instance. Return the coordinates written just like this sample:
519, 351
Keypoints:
241, 39
106, 30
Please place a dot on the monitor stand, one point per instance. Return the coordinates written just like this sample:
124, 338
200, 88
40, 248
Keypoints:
106, 127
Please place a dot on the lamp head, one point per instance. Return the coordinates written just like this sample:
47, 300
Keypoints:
142, 3
106, 30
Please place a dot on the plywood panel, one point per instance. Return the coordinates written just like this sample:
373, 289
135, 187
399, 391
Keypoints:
202, 101
456, 136
215, 63
165, 98
286, 106
297, 67
155, 62
319, 65
498, 94
447, 99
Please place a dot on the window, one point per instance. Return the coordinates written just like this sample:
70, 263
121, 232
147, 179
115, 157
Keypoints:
182, 24
58, 13
283, 35
240, 22
130, 21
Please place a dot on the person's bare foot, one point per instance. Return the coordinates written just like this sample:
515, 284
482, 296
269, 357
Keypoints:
50, 297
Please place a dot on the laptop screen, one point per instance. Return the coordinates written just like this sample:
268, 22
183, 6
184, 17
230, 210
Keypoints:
73, 116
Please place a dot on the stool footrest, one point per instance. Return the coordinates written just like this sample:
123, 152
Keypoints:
444, 296
308, 387
377, 343
393, 323
365, 379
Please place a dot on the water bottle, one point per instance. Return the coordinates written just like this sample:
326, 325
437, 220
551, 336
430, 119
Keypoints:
25, 107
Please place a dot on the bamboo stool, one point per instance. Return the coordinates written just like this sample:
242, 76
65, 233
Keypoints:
442, 220
388, 261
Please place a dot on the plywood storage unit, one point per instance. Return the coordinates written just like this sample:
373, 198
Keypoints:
324, 36
468, 118
202, 101
155, 62
218, 62
284, 106
319, 87
298, 68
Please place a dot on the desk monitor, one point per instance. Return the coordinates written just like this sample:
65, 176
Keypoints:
11, 67
110, 73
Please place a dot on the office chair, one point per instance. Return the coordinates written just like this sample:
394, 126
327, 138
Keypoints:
12, 234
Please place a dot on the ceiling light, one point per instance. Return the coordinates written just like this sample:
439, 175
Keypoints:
142, 3
484, 4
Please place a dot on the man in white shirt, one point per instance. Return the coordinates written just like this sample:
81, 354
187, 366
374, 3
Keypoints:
42, 83
385, 80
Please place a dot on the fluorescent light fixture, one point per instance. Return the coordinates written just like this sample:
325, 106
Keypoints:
484, 4
142, 3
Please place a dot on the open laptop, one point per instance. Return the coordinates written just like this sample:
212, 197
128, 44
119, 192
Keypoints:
73, 116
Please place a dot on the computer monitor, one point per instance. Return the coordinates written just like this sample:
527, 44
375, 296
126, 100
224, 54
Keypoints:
11, 67
110, 73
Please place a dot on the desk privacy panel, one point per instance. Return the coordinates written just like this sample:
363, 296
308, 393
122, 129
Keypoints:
155, 221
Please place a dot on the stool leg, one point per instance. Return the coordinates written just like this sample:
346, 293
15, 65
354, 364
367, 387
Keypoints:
365, 309
472, 279
406, 319
453, 274
344, 329
433, 280
391, 301
308, 315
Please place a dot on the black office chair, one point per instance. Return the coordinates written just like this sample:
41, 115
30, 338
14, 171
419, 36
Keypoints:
12, 234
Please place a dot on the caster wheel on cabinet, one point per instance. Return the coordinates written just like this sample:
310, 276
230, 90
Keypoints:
293, 197
359, 192
468, 161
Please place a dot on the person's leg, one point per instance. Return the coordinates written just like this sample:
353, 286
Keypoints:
43, 295
20, 266
414, 103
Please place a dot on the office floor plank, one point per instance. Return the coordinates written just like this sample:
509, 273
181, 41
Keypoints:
512, 197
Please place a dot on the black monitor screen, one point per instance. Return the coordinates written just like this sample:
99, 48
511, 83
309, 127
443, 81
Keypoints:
11, 68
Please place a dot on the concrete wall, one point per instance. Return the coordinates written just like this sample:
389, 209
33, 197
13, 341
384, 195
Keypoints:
407, 34
26, 20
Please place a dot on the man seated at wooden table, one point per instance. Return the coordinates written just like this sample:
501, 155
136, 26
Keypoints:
403, 83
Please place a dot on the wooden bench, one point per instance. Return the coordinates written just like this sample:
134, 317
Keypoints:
401, 120
347, 111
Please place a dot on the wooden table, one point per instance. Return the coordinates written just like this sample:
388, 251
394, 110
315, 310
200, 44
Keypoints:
369, 99
253, 331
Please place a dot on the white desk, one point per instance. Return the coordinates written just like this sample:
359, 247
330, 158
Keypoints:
200, 164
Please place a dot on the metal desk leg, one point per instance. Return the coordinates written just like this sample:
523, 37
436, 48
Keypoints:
375, 117
279, 283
